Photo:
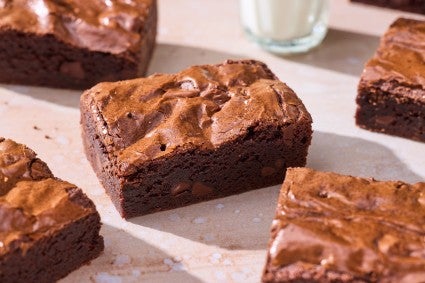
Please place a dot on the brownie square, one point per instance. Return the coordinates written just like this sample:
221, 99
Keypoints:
391, 92
210, 131
335, 228
48, 226
75, 44
413, 6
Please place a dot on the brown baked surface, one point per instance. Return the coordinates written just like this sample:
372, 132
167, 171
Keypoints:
335, 228
75, 43
173, 139
48, 227
391, 92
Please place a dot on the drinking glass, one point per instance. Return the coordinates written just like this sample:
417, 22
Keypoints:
285, 26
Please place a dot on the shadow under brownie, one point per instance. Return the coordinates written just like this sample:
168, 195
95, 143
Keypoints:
391, 92
335, 228
210, 131
48, 227
75, 44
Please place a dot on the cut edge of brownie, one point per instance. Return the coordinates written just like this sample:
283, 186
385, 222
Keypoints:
382, 107
190, 191
57, 255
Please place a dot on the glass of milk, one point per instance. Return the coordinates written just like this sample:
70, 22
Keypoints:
285, 26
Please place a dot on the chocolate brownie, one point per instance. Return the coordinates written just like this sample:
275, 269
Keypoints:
209, 131
391, 92
335, 228
48, 226
75, 43
414, 6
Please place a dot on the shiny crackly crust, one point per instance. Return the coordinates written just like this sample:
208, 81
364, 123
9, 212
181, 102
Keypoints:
33, 203
200, 107
113, 26
398, 62
335, 228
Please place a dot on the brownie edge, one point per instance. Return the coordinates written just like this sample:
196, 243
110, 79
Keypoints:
209, 131
335, 228
391, 91
413, 6
75, 44
49, 227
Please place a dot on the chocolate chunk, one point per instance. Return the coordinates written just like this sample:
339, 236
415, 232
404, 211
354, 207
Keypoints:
267, 171
73, 69
181, 188
279, 164
199, 189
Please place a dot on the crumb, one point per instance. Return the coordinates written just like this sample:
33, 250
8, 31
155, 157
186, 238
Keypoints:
104, 277
47, 137
36, 128
136, 273
178, 267
168, 261
215, 258
219, 206
174, 265
220, 275
199, 220
121, 260
208, 237
174, 217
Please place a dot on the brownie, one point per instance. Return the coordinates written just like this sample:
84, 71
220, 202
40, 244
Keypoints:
335, 228
413, 6
209, 131
48, 227
75, 43
391, 92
